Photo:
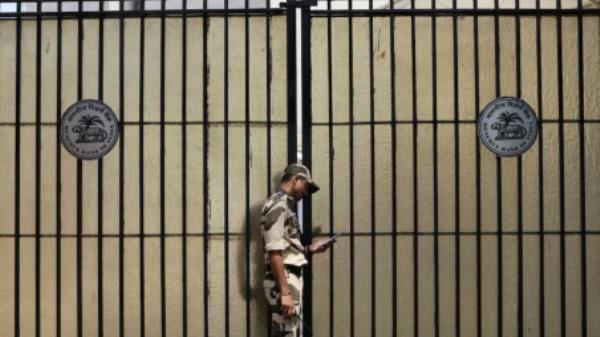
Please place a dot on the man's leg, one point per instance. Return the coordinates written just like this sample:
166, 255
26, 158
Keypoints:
295, 284
280, 325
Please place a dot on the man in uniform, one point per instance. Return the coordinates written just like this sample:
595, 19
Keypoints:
284, 253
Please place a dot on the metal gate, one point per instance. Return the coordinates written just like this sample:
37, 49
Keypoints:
158, 238
161, 237
444, 238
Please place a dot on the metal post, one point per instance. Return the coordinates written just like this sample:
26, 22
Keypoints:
306, 153
299, 112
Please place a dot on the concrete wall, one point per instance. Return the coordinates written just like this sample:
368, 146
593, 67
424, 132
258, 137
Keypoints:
261, 177
452, 163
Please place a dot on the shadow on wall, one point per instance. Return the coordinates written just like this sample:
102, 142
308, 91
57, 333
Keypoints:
258, 302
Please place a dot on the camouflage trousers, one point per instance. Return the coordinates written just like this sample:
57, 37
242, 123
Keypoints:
280, 325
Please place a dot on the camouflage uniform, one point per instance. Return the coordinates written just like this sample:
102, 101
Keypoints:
281, 231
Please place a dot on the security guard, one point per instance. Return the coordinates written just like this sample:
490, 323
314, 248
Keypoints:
284, 253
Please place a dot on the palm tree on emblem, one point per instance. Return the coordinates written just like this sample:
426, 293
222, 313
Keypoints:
507, 126
88, 133
88, 121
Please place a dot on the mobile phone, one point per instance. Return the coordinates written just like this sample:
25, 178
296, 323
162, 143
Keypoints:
329, 240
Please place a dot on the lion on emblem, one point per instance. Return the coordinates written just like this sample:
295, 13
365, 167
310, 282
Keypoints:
89, 133
507, 127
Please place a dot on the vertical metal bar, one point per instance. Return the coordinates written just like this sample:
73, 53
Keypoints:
306, 159
582, 213
141, 172
38, 162
436, 251
542, 289
100, 175
561, 157
372, 141
79, 178
226, 158
478, 171
205, 228
291, 84
394, 180
268, 98
58, 197
17, 295
121, 174
520, 325
500, 237
247, 155
415, 233
184, 249
269, 123
351, 148
330, 172
163, 312
457, 247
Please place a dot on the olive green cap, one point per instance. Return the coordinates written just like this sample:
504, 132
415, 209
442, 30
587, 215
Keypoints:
303, 171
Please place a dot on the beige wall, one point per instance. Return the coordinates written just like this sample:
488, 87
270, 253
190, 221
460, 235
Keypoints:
259, 176
446, 156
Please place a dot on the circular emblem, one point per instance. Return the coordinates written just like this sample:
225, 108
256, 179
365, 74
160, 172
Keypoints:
89, 129
507, 126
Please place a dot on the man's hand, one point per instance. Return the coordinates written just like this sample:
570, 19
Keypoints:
319, 246
287, 305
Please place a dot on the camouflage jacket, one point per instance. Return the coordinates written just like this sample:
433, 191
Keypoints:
280, 229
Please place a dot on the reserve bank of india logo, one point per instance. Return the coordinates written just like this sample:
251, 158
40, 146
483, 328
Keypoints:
507, 126
89, 129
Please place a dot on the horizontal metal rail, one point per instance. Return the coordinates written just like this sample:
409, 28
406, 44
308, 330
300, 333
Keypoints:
145, 13
458, 11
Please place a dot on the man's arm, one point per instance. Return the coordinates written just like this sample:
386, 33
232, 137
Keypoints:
287, 304
275, 243
276, 260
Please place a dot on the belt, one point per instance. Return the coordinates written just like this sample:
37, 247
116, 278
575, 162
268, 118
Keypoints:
296, 270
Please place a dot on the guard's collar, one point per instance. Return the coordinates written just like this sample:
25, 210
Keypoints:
289, 198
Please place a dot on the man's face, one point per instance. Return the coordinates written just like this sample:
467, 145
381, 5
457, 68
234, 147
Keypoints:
300, 188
